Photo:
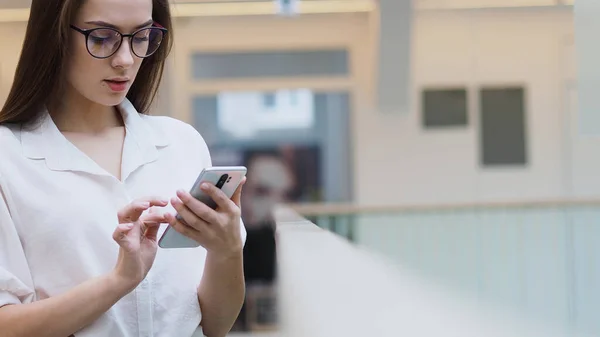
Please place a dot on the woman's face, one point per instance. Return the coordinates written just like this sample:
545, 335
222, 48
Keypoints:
106, 81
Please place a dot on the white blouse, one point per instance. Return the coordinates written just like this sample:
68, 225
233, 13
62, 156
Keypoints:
58, 210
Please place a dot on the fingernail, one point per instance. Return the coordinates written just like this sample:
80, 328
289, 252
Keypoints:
205, 187
180, 193
145, 204
129, 226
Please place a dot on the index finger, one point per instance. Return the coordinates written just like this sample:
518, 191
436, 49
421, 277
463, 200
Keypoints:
217, 195
134, 210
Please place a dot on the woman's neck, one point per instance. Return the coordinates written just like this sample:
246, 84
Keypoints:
77, 114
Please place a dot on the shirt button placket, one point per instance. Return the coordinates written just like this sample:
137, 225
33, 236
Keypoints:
121, 195
144, 308
143, 292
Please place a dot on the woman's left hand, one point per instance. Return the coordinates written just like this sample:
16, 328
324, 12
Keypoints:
218, 231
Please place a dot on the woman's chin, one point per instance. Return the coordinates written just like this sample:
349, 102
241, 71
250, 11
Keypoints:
113, 99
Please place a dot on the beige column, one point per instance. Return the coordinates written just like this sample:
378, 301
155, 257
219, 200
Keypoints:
393, 85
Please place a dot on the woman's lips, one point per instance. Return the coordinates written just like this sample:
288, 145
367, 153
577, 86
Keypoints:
117, 86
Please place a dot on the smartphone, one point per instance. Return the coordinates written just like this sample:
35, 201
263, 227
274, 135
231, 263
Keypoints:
226, 178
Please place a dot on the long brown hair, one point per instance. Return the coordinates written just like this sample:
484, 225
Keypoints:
40, 73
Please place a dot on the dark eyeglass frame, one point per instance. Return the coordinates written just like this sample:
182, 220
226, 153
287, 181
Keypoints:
87, 32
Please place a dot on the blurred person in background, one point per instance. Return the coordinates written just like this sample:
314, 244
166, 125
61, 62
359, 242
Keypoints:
87, 179
271, 182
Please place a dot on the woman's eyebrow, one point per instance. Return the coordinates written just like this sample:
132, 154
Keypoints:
110, 25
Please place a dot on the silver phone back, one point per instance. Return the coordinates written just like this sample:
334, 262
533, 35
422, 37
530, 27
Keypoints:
173, 239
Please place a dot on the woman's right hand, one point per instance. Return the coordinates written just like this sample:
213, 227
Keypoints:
136, 235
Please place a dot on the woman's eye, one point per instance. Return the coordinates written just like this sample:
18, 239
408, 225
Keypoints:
98, 39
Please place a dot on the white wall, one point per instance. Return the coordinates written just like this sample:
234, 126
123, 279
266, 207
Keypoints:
541, 261
473, 48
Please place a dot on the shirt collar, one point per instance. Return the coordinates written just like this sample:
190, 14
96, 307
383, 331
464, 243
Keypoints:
142, 141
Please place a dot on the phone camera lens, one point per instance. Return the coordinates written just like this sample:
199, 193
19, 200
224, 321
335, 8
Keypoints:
222, 180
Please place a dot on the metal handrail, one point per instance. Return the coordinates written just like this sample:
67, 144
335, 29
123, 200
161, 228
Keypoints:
328, 209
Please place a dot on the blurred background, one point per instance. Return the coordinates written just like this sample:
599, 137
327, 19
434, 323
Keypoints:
444, 135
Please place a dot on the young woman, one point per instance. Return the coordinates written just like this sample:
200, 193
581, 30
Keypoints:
87, 179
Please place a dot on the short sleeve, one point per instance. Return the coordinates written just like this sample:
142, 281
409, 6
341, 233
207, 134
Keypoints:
16, 284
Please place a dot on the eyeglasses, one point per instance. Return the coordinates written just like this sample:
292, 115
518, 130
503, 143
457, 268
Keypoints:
105, 42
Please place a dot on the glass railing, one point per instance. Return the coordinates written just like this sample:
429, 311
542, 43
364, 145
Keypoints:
541, 259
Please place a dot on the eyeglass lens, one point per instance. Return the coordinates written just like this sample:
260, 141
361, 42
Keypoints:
105, 42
